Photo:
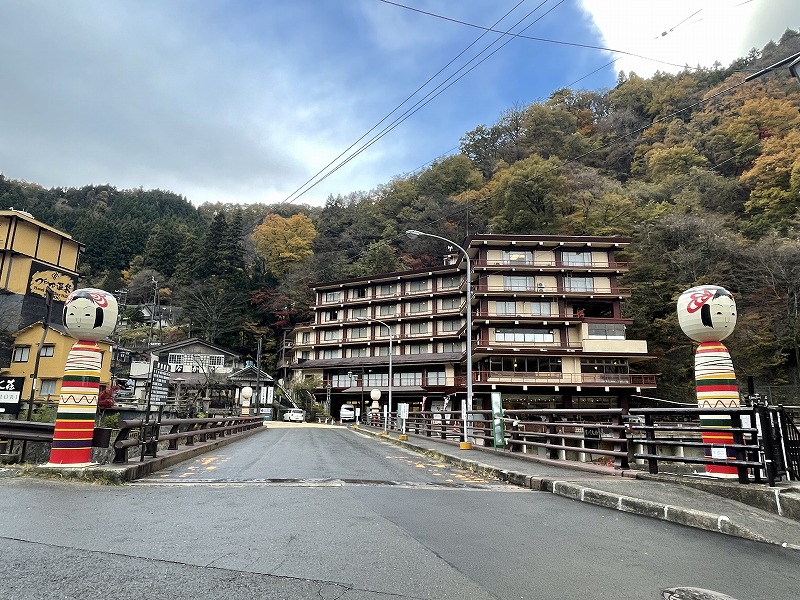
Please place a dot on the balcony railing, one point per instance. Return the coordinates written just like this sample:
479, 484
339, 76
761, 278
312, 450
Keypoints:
553, 264
548, 378
550, 290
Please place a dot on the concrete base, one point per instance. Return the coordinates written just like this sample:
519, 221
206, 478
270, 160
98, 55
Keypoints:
465, 445
403, 437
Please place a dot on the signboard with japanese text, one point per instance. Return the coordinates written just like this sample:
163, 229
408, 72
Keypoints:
498, 425
159, 389
43, 277
10, 394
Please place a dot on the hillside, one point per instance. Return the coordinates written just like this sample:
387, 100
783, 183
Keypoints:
701, 169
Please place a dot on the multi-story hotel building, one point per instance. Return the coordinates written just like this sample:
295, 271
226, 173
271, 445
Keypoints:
547, 329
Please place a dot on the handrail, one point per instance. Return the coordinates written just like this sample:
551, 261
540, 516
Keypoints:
149, 432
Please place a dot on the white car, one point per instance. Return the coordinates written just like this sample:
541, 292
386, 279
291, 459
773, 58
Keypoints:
295, 415
347, 413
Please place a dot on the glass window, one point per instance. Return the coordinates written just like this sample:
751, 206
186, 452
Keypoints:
516, 257
577, 259
359, 333
417, 349
506, 308
418, 307
333, 296
413, 378
387, 310
524, 335
377, 380
341, 380
606, 331
518, 282
417, 328
359, 352
451, 347
540, 308
387, 289
333, 315
420, 285
305, 355
330, 353
579, 284
359, 313
332, 334
358, 293
451, 303
522, 364
47, 350
450, 325
382, 351
48, 387
305, 338
437, 378
603, 365
450, 282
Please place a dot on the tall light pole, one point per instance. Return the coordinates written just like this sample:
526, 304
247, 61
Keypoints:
391, 336
413, 234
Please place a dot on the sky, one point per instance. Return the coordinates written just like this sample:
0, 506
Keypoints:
248, 101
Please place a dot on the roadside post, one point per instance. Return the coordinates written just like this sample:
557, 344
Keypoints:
498, 426
402, 415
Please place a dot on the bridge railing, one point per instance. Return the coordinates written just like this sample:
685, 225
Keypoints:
644, 438
148, 434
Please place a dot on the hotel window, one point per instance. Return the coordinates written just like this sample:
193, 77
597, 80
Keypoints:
387, 310
524, 335
48, 387
417, 349
540, 308
506, 308
333, 297
579, 284
382, 351
376, 380
22, 353
517, 282
305, 355
358, 293
577, 259
305, 337
437, 378
417, 307
331, 335
521, 364
332, 315
359, 313
450, 325
330, 353
341, 380
604, 365
359, 352
387, 289
417, 328
606, 331
403, 379
47, 350
517, 257
451, 303
451, 347
420, 285
450, 282
359, 333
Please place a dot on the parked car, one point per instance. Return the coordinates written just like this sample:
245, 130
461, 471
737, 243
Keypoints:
295, 415
347, 413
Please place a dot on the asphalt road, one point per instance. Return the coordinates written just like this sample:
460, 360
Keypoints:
302, 511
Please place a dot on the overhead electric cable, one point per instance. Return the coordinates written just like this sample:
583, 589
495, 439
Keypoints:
426, 99
297, 194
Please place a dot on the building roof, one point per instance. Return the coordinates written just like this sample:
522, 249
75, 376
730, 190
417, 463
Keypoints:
190, 342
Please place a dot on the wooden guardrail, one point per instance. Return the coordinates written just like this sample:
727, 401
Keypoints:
148, 434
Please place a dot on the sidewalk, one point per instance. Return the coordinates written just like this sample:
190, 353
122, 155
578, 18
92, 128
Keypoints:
754, 511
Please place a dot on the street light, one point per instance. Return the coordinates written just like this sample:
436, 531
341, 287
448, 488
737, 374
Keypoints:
414, 234
391, 336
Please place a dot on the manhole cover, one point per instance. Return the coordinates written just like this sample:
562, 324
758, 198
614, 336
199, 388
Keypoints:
690, 593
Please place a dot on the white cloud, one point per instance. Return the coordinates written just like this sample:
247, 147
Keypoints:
688, 32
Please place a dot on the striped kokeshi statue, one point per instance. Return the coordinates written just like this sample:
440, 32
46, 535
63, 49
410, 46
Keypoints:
89, 315
707, 314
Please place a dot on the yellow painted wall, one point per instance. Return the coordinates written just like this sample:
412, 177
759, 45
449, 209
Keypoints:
51, 367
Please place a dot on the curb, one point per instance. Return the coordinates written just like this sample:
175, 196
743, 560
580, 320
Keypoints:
647, 508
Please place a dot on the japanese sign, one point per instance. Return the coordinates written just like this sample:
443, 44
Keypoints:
10, 394
42, 277
159, 388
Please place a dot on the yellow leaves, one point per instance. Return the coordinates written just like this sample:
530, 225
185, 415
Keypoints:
282, 243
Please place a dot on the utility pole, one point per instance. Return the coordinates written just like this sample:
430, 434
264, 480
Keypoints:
48, 301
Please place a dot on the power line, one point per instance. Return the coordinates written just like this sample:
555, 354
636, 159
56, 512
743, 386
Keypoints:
424, 101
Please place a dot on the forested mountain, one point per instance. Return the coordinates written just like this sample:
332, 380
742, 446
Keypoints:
700, 169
